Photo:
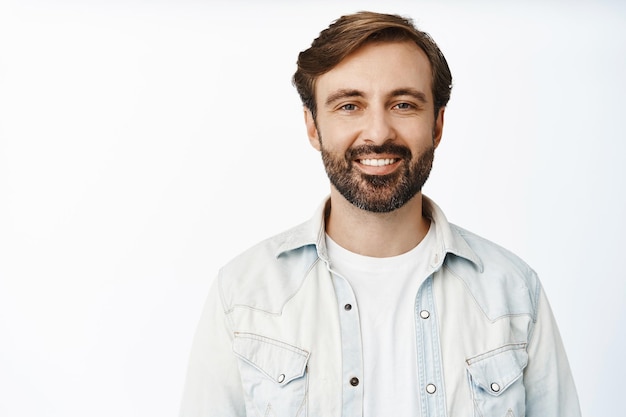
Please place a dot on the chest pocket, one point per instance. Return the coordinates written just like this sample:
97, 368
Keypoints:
273, 376
496, 381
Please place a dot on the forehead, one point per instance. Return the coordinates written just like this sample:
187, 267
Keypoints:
378, 67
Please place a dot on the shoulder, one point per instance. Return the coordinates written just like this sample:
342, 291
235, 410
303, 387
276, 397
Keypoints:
494, 256
267, 274
505, 285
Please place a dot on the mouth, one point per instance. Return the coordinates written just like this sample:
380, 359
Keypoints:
378, 166
377, 162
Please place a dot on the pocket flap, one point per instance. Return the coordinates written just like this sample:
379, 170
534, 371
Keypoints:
496, 370
279, 361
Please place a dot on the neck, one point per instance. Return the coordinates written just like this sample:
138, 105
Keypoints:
376, 234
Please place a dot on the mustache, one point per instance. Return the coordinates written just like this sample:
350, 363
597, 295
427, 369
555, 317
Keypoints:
385, 148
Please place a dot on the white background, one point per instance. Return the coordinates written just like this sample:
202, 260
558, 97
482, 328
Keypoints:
145, 143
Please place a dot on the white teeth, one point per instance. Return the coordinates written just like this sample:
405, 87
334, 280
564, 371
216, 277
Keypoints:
377, 162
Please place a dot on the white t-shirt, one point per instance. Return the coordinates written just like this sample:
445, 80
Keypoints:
385, 290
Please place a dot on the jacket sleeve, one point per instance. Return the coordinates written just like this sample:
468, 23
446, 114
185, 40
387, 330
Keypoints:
550, 389
213, 385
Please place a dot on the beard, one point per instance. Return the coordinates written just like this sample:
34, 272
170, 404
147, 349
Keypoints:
378, 193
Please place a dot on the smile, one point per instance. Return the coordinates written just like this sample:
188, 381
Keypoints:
377, 162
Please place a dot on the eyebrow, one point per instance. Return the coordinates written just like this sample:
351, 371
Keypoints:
416, 94
347, 93
343, 93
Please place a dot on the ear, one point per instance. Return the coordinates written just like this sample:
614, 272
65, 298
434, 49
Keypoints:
438, 129
311, 129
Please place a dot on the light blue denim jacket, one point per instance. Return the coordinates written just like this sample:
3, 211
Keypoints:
276, 338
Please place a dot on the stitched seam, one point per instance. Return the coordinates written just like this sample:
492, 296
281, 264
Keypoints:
482, 310
272, 313
494, 352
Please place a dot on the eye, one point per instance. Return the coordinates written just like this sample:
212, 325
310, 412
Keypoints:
404, 106
348, 107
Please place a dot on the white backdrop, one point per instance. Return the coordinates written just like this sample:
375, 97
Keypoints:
145, 143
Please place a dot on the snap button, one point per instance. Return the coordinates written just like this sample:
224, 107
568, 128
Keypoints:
495, 387
281, 378
431, 388
348, 307
424, 314
354, 381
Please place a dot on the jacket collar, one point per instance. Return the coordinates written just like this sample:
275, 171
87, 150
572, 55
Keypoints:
449, 240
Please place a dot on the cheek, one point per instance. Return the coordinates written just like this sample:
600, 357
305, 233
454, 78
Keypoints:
335, 140
339, 137
418, 137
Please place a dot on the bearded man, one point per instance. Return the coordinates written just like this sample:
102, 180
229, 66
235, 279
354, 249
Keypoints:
377, 306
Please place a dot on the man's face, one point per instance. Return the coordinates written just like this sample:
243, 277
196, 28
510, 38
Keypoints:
375, 125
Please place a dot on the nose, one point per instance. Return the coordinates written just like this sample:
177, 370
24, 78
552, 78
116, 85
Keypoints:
377, 128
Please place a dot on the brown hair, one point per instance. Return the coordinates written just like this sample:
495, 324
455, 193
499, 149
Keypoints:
348, 33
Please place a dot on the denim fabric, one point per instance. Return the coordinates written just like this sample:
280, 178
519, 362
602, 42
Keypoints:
280, 334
